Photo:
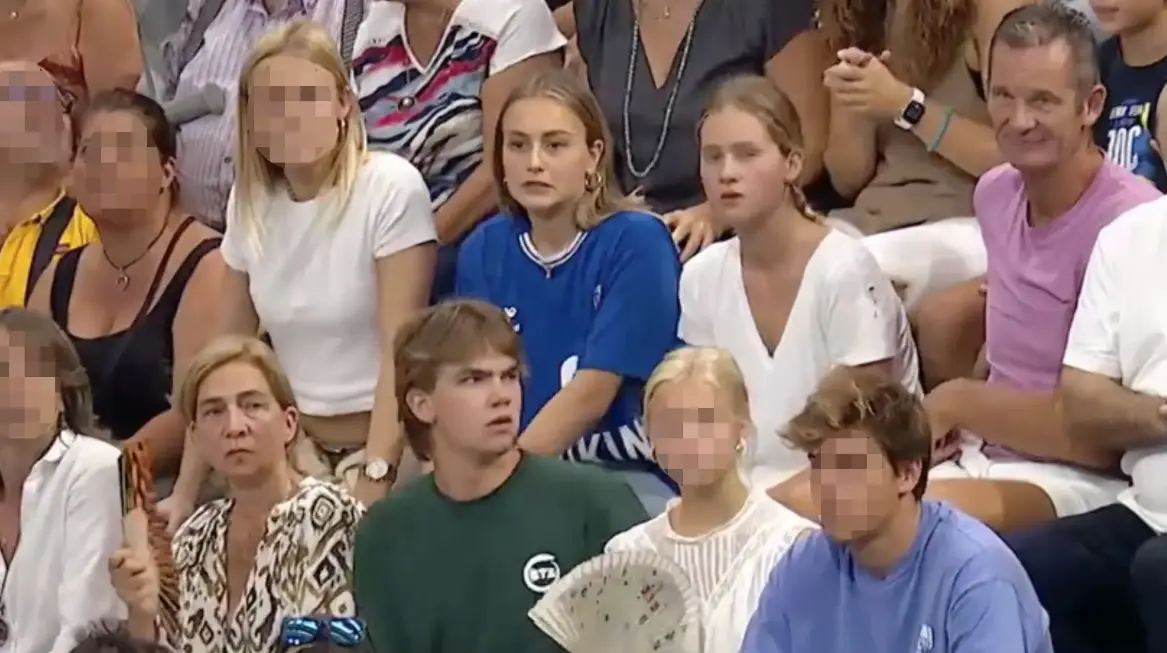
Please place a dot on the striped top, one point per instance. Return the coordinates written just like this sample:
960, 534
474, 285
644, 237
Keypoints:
728, 566
432, 114
206, 146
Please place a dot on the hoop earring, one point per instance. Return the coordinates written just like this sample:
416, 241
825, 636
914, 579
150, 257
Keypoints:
593, 181
740, 446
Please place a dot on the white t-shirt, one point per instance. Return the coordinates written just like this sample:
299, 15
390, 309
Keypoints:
313, 278
846, 313
1120, 331
728, 567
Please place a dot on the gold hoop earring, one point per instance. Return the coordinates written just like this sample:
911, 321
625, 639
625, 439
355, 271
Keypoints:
593, 181
740, 446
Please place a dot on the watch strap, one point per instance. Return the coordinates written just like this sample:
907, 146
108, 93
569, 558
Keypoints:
912, 111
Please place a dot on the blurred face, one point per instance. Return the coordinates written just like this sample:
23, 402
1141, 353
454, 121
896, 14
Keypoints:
855, 487
118, 171
695, 433
33, 127
474, 408
740, 164
296, 110
546, 156
239, 425
1038, 114
28, 389
1126, 16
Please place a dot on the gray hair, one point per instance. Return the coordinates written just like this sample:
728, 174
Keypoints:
1043, 23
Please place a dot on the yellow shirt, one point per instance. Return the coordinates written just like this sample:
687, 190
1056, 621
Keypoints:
17, 250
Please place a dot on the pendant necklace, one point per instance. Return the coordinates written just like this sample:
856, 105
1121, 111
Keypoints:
123, 271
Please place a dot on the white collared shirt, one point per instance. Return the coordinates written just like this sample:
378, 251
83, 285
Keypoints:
70, 523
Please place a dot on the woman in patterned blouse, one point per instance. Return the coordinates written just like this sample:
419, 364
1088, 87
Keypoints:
277, 546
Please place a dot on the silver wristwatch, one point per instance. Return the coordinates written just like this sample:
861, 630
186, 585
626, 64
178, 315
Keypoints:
377, 469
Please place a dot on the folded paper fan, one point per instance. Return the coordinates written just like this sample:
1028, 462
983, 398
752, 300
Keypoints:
622, 602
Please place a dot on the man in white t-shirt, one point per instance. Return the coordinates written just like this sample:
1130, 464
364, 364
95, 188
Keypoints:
1097, 573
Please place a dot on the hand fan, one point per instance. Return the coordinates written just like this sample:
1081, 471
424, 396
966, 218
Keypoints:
622, 602
144, 525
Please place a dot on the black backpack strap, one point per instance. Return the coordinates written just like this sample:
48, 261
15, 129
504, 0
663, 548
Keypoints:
350, 24
208, 12
48, 241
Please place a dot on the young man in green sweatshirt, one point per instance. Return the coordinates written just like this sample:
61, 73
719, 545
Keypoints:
452, 562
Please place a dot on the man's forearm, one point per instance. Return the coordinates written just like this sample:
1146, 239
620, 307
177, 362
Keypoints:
1029, 423
1106, 414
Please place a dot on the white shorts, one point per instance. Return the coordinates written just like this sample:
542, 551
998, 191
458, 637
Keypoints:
1072, 491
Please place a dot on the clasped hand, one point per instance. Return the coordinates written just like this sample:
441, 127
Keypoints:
862, 83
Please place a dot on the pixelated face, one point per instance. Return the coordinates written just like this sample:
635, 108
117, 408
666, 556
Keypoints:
1035, 104
28, 387
853, 485
742, 168
117, 170
546, 156
296, 110
33, 126
696, 435
1121, 16
474, 408
238, 424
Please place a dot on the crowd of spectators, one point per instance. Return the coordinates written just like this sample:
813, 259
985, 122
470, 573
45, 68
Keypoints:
360, 324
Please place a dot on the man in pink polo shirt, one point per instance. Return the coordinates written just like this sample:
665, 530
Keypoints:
1012, 464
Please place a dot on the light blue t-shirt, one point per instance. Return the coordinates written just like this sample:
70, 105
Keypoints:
958, 590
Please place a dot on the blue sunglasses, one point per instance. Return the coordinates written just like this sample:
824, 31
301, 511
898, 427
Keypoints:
341, 631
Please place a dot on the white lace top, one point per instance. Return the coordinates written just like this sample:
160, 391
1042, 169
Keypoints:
728, 566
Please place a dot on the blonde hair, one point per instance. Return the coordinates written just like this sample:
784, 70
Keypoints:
758, 97
255, 176
872, 402
602, 197
710, 365
223, 351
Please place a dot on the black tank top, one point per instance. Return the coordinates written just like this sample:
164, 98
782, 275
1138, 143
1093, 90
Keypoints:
1127, 124
131, 370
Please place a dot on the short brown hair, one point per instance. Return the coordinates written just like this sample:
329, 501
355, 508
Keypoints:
233, 349
450, 333
870, 401
114, 637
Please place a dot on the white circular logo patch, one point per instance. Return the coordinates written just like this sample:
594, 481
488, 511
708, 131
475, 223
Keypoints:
540, 572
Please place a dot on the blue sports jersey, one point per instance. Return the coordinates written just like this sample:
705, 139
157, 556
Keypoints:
609, 302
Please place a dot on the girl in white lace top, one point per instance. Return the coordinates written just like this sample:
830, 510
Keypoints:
725, 536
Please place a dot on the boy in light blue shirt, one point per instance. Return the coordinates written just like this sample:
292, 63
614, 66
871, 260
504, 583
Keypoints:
888, 573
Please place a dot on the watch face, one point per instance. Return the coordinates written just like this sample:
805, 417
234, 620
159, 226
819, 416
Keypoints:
914, 112
376, 469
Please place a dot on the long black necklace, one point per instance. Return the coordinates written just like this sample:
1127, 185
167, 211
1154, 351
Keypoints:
124, 270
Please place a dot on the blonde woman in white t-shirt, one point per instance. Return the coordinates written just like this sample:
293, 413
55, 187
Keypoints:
725, 536
789, 297
330, 248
